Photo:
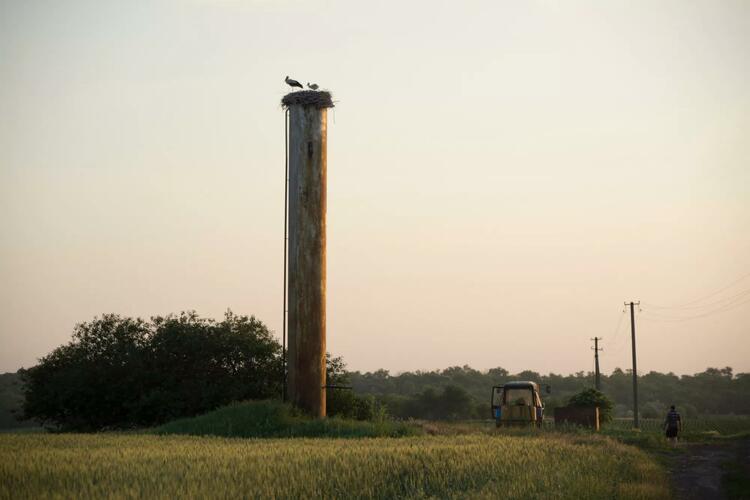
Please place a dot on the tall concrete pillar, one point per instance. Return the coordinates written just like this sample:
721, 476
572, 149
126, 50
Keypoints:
307, 250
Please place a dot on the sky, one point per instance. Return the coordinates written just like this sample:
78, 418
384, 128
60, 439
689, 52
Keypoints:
502, 175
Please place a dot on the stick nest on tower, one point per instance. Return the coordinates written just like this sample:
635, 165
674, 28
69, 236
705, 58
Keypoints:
315, 98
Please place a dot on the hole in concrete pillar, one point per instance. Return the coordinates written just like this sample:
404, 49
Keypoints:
309, 150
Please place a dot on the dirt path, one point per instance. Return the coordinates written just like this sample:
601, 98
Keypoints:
698, 472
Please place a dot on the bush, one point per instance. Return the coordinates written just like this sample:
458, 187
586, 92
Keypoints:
122, 372
450, 403
276, 419
342, 401
653, 409
590, 398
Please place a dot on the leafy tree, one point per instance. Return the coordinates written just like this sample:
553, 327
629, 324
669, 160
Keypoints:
590, 398
120, 372
11, 401
200, 364
455, 403
652, 409
93, 382
344, 403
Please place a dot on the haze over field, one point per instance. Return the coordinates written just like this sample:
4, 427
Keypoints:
502, 175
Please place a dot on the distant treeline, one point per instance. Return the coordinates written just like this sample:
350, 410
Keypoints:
463, 392
119, 372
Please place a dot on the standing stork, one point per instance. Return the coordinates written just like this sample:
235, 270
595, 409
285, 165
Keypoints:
292, 83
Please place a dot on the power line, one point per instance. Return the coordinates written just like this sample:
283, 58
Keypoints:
702, 306
712, 294
651, 316
618, 327
618, 342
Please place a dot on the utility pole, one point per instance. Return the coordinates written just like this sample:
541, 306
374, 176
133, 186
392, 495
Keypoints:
596, 348
632, 305
286, 243
306, 250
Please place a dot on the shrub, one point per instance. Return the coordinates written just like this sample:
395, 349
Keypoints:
341, 401
590, 398
122, 372
653, 409
276, 419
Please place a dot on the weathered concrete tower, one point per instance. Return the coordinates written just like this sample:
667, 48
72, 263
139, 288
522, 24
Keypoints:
307, 249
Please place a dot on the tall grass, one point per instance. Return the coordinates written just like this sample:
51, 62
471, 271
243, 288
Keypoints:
722, 424
460, 466
275, 419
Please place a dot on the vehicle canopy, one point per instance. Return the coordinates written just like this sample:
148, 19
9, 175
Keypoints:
522, 384
517, 393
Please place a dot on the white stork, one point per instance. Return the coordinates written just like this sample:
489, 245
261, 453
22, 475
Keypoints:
292, 83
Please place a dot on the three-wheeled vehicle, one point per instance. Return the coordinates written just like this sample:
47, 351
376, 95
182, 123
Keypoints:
518, 403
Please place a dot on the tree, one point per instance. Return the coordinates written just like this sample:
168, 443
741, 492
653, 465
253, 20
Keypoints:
94, 381
715, 391
121, 372
590, 398
201, 364
343, 402
455, 403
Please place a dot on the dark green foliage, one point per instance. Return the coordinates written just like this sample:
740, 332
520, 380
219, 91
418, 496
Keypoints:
93, 382
735, 478
449, 403
275, 419
590, 398
412, 394
201, 364
122, 372
119, 372
342, 401
11, 401
346, 404
652, 410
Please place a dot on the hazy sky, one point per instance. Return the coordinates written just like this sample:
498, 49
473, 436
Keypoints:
502, 174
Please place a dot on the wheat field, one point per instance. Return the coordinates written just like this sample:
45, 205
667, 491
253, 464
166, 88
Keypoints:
463, 466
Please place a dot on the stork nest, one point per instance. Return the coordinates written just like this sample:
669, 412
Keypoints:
315, 98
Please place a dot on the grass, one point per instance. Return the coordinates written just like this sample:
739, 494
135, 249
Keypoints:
255, 419
736, 479
703, 430
23, 430
691, 427
244, 450
459, 466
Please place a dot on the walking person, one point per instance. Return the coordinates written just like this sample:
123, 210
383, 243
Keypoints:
673, 425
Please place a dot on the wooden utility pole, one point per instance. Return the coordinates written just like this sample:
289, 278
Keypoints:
286, 242
597, 381
632, 305
306, 275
